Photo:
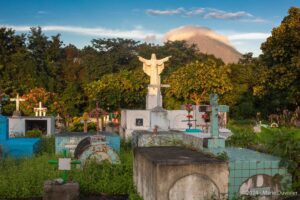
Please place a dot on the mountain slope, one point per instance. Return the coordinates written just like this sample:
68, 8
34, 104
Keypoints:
207, 41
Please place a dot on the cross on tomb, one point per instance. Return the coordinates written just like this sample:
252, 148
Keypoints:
64, 165
40, 111
215, 109
17, 100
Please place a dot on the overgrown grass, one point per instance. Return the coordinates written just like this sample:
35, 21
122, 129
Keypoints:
25, 177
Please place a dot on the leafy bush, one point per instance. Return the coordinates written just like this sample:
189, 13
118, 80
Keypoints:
78, 127
242, 137
47, 145
33, 133
283, 143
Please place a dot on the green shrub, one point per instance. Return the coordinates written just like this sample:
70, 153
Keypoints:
33, 133
242, 137
283, 143
78, 127
47, 145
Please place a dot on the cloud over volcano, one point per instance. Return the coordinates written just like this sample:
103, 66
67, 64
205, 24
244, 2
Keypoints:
207, 41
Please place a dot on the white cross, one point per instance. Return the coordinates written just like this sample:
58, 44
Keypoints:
40, 111
17, 100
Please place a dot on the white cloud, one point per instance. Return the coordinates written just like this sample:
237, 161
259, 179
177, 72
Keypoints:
255, 20
248, 36
209, 13
165, 12
136, 33
220, 14
197, 11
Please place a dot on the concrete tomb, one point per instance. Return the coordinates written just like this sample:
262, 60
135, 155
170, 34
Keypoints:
18, 126
16, 147
178, 173
84, 146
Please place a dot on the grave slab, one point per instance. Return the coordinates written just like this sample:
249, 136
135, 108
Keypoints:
178, 173
166, 138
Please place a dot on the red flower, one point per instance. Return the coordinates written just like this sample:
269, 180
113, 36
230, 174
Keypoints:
189, 107
189, 116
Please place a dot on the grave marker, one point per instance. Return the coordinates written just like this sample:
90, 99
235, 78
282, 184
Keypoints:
64, 164
40, 111
17, 100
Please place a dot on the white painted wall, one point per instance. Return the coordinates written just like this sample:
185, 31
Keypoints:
17, 125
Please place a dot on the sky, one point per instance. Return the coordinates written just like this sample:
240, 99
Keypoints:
246, 23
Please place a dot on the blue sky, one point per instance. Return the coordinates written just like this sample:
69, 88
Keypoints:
246, 23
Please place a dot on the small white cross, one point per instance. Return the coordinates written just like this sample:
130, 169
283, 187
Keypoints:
17, 100
40, 111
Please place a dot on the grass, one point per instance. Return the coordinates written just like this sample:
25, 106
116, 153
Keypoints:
24, 178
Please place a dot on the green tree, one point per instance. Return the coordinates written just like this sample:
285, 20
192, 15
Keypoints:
281, 56
126, 89
195, 81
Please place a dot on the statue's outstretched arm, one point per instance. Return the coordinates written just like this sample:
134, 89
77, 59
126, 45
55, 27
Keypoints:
142, 59
161, 61
145, 61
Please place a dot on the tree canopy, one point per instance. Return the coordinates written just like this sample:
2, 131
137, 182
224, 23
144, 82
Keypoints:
108, 71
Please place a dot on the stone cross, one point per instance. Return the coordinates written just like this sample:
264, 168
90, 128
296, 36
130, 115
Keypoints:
64, 164
215, 109
40, 111
17, 100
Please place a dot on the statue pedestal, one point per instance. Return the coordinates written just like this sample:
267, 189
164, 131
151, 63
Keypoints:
159, 118
152, 101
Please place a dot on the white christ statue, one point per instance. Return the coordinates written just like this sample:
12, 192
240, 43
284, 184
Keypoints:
153, 68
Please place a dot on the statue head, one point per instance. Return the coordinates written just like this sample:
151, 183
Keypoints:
153, 56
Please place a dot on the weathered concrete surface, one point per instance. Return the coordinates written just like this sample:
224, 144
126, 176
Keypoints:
166, 138
162, 173
54, 191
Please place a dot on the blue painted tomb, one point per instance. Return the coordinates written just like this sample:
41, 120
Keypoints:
69, 141
16, 147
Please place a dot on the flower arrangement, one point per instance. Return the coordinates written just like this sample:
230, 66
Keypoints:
189, 109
